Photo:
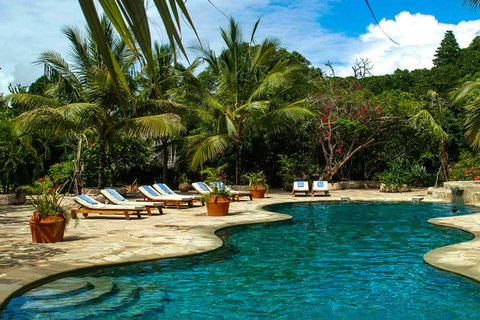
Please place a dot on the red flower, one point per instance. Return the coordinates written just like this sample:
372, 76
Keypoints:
338, 150
477, 178
41, 179
324, 118
355, 112
379, 158
365, 109
327, 135
379, 110
455, 178
457, 165
341, 145
327, 125
91, 145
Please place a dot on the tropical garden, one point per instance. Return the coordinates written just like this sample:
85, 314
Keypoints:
120, 109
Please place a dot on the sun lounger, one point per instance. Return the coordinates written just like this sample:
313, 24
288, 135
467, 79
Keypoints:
164, 190
320, 186
236, 194
300, 186
201, 187
89, 205
152, 195
116, 198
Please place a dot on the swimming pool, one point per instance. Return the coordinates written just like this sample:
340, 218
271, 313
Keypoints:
332, 261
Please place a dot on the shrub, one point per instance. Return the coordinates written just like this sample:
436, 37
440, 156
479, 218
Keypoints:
467, 168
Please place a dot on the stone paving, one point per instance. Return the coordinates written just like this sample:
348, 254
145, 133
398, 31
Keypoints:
106, 240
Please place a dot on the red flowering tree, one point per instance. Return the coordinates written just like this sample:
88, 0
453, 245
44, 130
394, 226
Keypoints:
349, 119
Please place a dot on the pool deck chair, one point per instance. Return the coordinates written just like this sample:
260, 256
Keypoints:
201, 187
300, 186
149, 194
116, 198
235, 194
320, 186
89, 205
164, 190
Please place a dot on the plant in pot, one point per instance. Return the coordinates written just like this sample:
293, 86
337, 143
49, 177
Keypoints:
49, 219
183, 183
257, 183
217, 201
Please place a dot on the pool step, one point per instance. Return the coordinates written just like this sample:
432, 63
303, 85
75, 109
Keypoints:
55, 289
100, 287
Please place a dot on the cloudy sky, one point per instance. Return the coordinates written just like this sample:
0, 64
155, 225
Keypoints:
339, 31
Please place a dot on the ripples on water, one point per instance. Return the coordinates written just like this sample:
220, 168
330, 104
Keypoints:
332, 261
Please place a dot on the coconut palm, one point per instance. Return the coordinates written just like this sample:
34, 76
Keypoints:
469, 94
85, 98
129, 18
245, 83
429, 119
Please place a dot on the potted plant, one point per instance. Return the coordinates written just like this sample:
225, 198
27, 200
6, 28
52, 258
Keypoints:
257, 183
183, 183
217, 201
49, 219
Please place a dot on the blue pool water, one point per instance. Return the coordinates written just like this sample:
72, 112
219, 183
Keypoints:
332, 261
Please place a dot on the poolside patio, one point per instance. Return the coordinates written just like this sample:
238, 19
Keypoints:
107, 240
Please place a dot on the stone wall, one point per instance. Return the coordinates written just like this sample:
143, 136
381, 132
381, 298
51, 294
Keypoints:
7, 199
354, 185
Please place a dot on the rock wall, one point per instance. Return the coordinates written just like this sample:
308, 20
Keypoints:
8, 199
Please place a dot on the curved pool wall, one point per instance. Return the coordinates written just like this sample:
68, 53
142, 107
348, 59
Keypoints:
334, 260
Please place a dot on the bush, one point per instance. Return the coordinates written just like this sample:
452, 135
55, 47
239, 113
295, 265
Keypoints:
467, 168
402, 172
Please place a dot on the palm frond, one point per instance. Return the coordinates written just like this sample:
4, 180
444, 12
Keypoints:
162, 125
286, 116
31, 101
424, 120
205, 148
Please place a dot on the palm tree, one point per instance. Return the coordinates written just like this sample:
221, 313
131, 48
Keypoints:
85, 98
245, 83
469, 93
430, 120
129, 18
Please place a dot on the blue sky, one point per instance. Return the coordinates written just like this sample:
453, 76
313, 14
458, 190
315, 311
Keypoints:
339, 31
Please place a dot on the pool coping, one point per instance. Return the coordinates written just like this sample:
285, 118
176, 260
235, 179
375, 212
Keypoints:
17, 282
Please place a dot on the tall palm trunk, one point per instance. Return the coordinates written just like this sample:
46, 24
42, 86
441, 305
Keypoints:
444, 161
238, 163
165, 159
102, 160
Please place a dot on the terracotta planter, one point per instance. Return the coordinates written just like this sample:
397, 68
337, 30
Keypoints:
218, 206
258, 191
43, 230
183, 187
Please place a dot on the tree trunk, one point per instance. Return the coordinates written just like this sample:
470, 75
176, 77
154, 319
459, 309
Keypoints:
238, 163
101, 163
444, 161
165, 160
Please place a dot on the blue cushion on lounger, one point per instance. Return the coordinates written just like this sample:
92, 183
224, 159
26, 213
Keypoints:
202, 186
164, 188
115, 194
300, 184
87, 199
151, 191
320, 184
219, 185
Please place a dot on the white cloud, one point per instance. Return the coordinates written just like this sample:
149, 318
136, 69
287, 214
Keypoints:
419, 36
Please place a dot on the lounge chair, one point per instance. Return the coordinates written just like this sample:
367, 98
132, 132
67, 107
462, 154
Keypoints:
201, 187
116, 198
89, 205
236, 194
152, 195
300, 186
320, 186
164, 190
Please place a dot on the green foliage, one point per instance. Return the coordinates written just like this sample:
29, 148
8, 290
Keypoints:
467, 167
401, 172
62, 172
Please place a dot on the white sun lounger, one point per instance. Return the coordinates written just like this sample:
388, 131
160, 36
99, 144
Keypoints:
236, 194
201, 187
89, 205
114, 197
320, 186
152, 195
300, 186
